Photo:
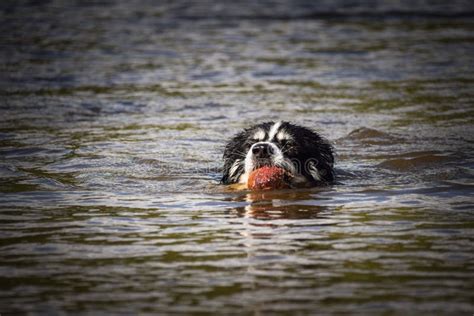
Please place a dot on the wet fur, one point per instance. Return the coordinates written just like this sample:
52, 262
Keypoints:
310, 154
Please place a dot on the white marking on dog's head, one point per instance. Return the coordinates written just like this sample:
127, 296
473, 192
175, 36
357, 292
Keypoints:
282, 135
273, 130
259, 135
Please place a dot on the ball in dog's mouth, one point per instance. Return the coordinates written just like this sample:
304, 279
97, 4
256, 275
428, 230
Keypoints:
268, 178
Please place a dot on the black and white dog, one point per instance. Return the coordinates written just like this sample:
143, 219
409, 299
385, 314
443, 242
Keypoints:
305, 156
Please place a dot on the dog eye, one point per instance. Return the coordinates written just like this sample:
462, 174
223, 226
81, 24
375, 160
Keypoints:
250, 142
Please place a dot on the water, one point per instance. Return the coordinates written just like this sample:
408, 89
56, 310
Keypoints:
113, 122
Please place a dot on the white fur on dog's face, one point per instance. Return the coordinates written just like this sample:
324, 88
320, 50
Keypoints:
277, 157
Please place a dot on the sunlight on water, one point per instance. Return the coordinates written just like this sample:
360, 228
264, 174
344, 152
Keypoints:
114, 119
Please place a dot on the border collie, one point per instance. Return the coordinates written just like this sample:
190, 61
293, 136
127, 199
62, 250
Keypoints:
302, 153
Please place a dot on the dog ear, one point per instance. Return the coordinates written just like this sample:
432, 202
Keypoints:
311, 168
319, 172
319, 153
232, 174
234, 157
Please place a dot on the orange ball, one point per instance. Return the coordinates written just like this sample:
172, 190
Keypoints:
267, 178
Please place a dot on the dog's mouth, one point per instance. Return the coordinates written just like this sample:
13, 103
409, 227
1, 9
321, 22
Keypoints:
262, 162
269, 162
268, 155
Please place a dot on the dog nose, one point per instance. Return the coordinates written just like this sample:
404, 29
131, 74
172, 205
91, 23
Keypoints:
262, 150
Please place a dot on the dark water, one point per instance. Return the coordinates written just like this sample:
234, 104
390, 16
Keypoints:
114, 117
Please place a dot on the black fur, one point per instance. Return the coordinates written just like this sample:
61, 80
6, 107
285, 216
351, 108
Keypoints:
307, 151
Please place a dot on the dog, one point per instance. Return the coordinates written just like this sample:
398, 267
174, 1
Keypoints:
305, 156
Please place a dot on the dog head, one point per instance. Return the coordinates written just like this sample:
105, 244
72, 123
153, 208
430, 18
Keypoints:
306, 156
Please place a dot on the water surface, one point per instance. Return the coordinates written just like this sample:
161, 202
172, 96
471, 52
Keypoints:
114, 118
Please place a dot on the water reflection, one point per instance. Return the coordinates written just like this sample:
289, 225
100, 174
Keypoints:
282, 204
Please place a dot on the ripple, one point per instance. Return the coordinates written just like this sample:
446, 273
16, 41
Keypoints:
114, 119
